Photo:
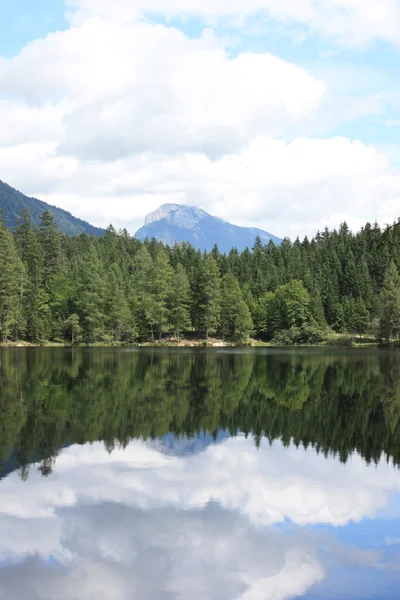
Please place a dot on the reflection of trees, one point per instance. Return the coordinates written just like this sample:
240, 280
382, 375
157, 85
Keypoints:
337, 403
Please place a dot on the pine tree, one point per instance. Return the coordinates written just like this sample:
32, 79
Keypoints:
158, 293
179, 301
109, 245
389, 305
215, 252
119, 316
206, 295
257, 275
363, 318
34, 313
22, 234
140, 293
37, 308
349, 275
363, 284
88, 299
11, 288
51, 244
235, 318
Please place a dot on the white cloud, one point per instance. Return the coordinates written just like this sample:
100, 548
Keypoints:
349, 22
21, 122
142, 87
36, 168
202, 522
116, 116
287, 188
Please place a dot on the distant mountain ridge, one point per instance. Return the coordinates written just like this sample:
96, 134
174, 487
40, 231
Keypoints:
12, 202
179, 223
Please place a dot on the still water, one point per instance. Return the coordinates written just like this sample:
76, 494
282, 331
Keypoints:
218, 475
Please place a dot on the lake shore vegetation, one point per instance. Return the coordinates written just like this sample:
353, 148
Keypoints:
336, 288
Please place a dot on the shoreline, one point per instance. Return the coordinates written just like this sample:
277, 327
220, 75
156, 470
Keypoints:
202, 344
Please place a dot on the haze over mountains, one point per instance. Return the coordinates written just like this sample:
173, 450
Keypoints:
178, 223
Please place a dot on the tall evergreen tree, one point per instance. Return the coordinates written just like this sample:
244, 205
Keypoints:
206, 295
235, 319
119, 315
180, 301
159, 291
22, 234
140, 291
51, 244
389, 305
89, 293
11, 284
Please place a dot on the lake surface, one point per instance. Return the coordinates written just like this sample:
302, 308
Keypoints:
194, 474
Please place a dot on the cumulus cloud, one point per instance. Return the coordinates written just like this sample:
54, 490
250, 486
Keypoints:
145, 87
117, 115
103, 525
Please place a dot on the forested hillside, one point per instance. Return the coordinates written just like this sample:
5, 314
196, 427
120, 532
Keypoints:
117, 289
12, 202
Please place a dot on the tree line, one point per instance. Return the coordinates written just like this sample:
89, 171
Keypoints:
116, 289
337, 403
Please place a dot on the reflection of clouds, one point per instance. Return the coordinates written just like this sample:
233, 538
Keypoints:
194, 553
133, 524
19, 537
267, 485
122, 553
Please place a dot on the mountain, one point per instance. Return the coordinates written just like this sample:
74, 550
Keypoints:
172, 445
178, 223
12, 203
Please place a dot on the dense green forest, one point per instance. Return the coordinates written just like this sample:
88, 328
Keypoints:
336, 402
116, 289
12, 202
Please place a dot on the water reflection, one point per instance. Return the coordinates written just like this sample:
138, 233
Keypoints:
146, 514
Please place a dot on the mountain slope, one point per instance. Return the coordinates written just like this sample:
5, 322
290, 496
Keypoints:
13, 202
178, 223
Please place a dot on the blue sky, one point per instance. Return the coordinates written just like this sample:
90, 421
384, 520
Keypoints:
282, 115
25, 20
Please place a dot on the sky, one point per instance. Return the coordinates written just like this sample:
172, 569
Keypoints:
228, 521
280, 114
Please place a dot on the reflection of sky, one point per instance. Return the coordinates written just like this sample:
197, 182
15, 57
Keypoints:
228, 522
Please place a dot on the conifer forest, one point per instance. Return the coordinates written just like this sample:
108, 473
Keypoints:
117, 290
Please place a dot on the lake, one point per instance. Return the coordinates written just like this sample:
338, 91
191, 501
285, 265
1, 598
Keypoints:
199, 474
